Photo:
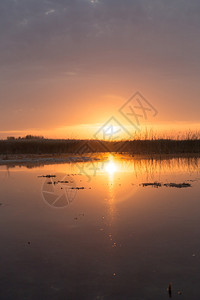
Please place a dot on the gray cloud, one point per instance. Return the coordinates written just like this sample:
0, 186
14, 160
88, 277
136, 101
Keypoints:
76, 32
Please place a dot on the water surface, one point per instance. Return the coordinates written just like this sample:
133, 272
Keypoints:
111, 238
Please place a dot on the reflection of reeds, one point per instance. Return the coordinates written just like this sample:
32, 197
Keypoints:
157, 166
151, 167
191, 144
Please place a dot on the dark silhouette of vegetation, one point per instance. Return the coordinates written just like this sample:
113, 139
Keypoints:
27, 137
39, 145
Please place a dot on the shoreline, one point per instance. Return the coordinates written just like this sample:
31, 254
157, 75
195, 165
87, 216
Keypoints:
43, 159
38, 159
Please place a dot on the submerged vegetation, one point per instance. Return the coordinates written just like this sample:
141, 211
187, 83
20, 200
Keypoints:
173, 185
40, 145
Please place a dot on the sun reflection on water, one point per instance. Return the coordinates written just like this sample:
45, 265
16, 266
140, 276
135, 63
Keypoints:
111, 167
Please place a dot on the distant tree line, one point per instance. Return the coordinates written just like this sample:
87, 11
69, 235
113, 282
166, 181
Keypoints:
38, 145
27, 137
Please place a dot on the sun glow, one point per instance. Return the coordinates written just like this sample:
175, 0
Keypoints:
111, 168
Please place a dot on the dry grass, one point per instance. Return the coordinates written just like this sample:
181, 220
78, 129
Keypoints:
150, 144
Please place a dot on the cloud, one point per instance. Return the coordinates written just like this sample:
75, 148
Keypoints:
137, 33
80, 32
49, 12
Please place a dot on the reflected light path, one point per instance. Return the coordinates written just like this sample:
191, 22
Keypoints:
111, 169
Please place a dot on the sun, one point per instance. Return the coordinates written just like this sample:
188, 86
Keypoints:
111, 167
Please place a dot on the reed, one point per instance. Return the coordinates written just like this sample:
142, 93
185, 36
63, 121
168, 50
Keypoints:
39, 145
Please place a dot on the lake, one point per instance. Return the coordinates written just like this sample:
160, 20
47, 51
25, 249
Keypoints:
122, 227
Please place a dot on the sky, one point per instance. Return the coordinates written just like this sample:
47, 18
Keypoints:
68, 66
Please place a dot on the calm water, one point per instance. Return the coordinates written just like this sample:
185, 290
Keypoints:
114, 239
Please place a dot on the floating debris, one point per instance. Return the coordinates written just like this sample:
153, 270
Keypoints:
47, 176
178, 185
153, 184
57, 182
179, 293
192, 180
79, 216
158, 184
